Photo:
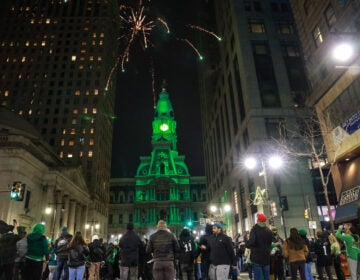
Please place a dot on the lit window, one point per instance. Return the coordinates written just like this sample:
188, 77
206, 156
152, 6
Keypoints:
70, 155
85, 110
318, 38
32, 21
43, 43
94, 110
101, 35
48, 21
90, 154
99, 58
256, 26
23, 59
62, 142
87, 93
77, 92
94, 35
64, 131
30, 112
83, 51
92, 130
71, 143
83, 43
6, 93
83, 131
73, 58
27, 43
81, 153
91, 58
91, 142
74, 121
35, 44
73, 131
81, 67
96, 92
61, 154
285, 28
101, 43
75, 111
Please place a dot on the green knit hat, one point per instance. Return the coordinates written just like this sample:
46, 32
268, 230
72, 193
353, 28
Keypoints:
302, 232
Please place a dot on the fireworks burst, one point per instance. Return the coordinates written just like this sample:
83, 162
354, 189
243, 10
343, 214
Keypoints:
138, 27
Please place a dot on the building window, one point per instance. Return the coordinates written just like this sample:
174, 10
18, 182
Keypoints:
285, 27
330, 16
120, 218
90, 154
290, 51
272, 126
317, 36
256, 26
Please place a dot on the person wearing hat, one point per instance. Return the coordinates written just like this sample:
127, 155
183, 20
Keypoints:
61, 252
130, 246
259, 243
276, 257
7, 249
37, 250
187, 254
222, 254
165, 249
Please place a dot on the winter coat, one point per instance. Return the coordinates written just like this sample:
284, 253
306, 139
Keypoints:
295, 255
260, 244
163, 245
37, 245
221, 250
97, 251
130, 246
8, 248
61, 245
77, 255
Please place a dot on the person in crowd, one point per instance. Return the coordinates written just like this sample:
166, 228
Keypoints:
111, 254
335, 254
295, 250
240, 250
165, 249
309, 259
276, 258
248, 263
97, 255
77, 250
350, 239
52, 261
204, 240
323, 255
8, 241
61, 252
260, 244
37, 251
21, 248
130, 246
222, 254
187, 255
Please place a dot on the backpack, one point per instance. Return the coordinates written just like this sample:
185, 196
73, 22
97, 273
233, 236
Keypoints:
61, 245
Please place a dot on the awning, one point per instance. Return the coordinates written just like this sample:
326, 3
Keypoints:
347, 212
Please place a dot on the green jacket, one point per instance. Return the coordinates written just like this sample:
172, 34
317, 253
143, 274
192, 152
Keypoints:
37, 248
352, 251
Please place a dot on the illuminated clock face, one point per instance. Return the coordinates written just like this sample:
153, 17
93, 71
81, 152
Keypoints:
164, 127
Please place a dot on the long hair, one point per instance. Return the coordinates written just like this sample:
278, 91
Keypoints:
76, 240
295, 241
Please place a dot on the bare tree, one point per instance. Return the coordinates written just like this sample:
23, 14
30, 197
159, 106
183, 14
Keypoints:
304, 139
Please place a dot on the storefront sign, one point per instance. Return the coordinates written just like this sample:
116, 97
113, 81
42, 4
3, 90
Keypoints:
352, 124
349, 196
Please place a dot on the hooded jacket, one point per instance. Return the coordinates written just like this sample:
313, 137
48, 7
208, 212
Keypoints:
163, 245
37, 247
221, 250
130, 247
8, 248
260, 244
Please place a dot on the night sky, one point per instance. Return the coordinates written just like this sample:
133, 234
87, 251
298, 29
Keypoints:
178, 64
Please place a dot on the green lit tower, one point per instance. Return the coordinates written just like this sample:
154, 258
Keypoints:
162, 187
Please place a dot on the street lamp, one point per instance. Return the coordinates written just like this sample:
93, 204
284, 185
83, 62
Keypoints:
49, 210
274, 162
92, 225
223, 211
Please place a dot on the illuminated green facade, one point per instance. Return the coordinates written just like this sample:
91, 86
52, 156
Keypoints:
162, 187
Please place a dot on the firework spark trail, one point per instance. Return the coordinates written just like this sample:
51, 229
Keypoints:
153, 83
204, 30
192, 46
111, 73
164, 23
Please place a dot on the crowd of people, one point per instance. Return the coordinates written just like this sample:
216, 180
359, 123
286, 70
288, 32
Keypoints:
164, 256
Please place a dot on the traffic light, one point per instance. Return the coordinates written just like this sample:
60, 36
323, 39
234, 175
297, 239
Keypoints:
306, 214
284, 203
17, 191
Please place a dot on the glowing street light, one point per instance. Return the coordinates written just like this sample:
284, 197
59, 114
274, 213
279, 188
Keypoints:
343, 52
